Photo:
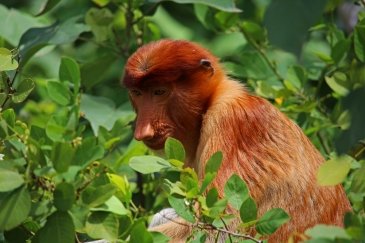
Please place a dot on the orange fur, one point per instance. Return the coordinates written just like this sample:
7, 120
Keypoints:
209, 112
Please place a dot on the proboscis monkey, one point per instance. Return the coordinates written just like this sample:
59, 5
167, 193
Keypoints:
178, 89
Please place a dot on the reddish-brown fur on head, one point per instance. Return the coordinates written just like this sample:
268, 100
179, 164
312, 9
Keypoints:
178, 89
170, 61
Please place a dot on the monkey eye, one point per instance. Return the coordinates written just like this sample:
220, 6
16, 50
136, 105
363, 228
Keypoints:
135, 92
159, 91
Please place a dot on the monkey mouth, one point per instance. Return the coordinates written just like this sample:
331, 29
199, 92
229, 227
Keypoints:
156, 143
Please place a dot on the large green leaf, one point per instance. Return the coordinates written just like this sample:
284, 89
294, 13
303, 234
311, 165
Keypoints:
334, 171
88, 152
271, 221
39, 7
358, 181
139, 233
14, 23
224, 5
64, 196
62, 156
9, 180
58, 92
112, 205
15, 207
100, 19
58, 229
95, 196
248, 210
23, 90
327, 232
181, 208
236, 191
214, 162
148, 164
174, 149
103, 225
58, 33
101, 111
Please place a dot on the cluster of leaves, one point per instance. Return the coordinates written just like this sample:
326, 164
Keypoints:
199, 204
65, 148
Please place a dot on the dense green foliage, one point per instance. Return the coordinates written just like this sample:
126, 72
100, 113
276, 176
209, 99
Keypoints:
69, 168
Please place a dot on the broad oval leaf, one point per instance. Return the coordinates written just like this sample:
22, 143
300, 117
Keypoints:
327, 232
181, 208
334, 171
70, 71
174, 149
58, 92
62, 156
140, 234
359, 41
112, 205
64, 196
95, 196
248, 210
103, 225
9, 180
23, 90
214, 162
58, 229
358, 181
336, 86
236, 191
17, 204
271, 221
148, 164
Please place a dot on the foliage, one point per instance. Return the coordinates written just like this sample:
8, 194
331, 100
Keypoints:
68, 165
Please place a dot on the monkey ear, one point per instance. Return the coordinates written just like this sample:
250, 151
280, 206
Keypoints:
207, 65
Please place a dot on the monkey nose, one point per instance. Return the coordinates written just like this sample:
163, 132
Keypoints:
145, 132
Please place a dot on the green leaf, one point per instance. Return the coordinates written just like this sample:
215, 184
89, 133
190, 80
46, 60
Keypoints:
99, 20
62, 156
139, 234
359, 41
255, 31
70, 71
358, 181
43, 6
122, 184
112, 205
174, 149
88, 152
7, 62
64, 196
248, 210
236, 191
102, 225
159, 237
181, 208
327, 232
334, 171
15, 207
208, 178
224, 5
10, 180
63, 32
339, 51
148, 164
23, 90
58, 92
212, 197
295, 78
337, 85
271, 221
214, 162
344, 120
58, 229
100, 111
13, 17
95, 196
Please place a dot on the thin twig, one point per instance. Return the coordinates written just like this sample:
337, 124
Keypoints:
261, 52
